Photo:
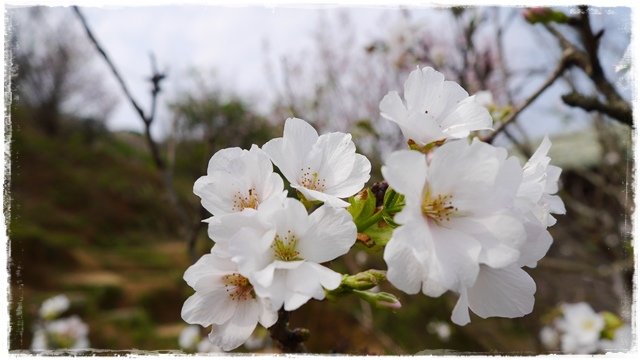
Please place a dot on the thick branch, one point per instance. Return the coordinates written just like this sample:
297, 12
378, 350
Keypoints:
591, 103
289, 341
588, 60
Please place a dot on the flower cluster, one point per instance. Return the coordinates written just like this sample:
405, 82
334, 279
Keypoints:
269, 248
456, 216
473, 215
578, 329
54, 333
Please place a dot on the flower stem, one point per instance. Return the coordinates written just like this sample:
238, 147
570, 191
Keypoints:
289, 341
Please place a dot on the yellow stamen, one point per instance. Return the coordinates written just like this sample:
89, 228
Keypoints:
238, 287
439, 208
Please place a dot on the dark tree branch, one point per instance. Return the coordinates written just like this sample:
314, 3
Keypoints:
587, 60
591, 103
155, 80
289, 341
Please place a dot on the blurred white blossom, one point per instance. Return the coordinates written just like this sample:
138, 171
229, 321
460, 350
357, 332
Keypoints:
69, 333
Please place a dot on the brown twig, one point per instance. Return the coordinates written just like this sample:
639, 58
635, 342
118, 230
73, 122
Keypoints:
147, 119
555, 75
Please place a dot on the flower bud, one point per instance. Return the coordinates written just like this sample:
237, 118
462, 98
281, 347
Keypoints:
380, 299
364, 280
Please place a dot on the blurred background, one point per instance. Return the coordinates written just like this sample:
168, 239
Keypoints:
101, 205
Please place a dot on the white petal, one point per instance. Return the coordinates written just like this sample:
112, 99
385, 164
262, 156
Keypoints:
321, 196
331, 234
506, 292
299, 135
422, 87
208, 265
467, 116
268, 316
406, 172
294, 300
460, 314
214, 307
238, 329
455, 260
404, 270
283, 160
360, 174
335, 155
535, 248
392, 108
500, 234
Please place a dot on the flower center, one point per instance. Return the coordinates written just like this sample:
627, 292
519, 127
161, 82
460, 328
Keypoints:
238, 287
284, 249
588, 325
244, 201
438, 208
311, 180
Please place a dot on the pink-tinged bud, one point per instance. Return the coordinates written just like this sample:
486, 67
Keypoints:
394, 305
380, 299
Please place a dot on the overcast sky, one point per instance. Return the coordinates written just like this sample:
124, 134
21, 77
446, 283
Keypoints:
231, 41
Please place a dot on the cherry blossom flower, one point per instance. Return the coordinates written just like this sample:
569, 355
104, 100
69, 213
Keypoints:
459, 215
281, 249
324, 168
226, 300
434, 109
69, 333
581, 327
238, 179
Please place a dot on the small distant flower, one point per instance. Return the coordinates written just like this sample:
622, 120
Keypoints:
434, 109
206, 346
226, 300
549, 337
458, 215
441, 329
581, 327
238, 179
69, 333
53, 307
189, 338
324, 168
281, 250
